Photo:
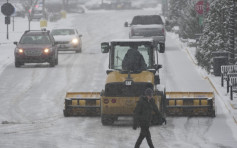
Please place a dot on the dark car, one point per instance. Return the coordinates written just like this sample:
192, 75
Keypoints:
36, 47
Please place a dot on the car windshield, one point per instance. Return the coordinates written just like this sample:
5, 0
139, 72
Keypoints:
62, 32
119, 51
35, 39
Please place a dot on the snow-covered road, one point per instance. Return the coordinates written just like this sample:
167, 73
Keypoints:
32, 97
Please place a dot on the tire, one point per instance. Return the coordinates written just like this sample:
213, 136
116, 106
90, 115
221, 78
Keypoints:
79, 50
107, 120
52, 62
65, 113
56, 61
18, 64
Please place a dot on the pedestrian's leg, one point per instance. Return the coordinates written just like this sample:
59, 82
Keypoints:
148, 138
140, 138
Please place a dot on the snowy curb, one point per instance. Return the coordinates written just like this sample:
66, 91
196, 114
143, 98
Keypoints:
231, 105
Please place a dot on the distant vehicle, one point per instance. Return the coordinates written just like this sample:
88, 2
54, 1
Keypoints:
36, 47
76, 9
68, 39
37, 13
148, 26
121, 4
116, 4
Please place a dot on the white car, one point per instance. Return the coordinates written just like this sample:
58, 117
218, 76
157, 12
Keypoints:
67, 39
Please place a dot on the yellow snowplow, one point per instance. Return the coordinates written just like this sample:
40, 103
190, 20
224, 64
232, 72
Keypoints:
82, 103
124, 87
190, 104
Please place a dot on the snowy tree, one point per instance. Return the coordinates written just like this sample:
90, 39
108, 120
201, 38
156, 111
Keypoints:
175, 8
215, 33
189, 21
183, 14
232, 31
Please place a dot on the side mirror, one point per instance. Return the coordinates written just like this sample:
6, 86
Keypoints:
157, 67
126, 24
15, 43
105, 47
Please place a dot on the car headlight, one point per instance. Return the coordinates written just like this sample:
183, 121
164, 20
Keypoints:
75, 41
20, 50
46, 50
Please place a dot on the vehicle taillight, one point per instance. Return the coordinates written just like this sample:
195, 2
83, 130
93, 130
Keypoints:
106, 101
163, 31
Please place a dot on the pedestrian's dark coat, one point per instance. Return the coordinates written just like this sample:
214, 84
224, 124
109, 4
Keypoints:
143, 111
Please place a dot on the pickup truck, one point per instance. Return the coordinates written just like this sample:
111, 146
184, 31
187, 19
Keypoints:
148, 26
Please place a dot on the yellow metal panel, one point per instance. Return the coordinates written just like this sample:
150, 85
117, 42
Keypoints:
179, 102
144, 76
74, 102
63, 14
195, 102
171, 102
204, 102
43, 23
83, 95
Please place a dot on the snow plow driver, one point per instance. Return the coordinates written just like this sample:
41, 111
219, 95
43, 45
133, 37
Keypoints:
133, 60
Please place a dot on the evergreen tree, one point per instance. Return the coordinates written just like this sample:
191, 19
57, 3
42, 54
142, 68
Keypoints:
189, 22
215, 33
183, 14
175, 8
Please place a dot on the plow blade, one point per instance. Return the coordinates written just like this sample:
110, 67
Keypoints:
82, 104
190, 104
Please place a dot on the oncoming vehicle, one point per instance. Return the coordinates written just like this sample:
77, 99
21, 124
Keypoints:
36, 46
67, 39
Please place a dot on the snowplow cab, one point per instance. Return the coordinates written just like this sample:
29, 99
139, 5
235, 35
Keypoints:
123, 87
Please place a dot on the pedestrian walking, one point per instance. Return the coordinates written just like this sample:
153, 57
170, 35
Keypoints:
143, 116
